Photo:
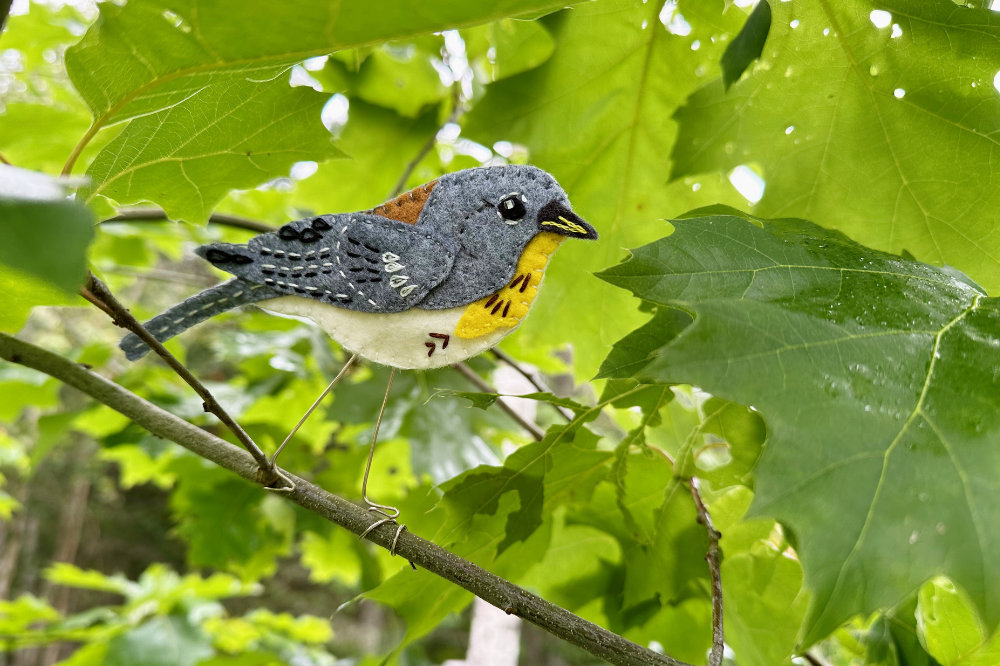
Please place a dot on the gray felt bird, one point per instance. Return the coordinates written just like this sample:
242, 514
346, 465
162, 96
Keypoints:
433, 277
437, 275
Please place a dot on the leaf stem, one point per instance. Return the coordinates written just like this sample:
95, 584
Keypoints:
456, 111
78, 148
497, 591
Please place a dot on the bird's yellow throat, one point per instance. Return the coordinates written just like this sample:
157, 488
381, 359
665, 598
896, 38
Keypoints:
507, 307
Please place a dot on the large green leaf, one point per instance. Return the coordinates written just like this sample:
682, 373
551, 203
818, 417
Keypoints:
885, 133
225, 521
186, 44
258, 129
879, 380
597, 115
207, 108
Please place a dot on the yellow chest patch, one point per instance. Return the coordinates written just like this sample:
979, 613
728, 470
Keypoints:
507, 307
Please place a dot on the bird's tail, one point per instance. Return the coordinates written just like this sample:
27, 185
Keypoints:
195, 310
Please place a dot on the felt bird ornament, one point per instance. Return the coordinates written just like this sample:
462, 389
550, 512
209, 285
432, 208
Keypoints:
430, 278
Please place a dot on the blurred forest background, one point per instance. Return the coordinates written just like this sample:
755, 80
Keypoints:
840, 414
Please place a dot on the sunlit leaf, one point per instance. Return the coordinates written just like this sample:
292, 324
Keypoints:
400, 76
260, 128
19, 614
882, 131
950, 628
619, 74
63, 573
160, 641
194, 70
507, 47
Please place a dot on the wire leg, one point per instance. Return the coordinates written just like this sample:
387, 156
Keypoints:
390, 512
309, 411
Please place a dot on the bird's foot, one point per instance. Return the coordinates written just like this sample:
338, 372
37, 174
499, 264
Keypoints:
390, 514
443, 338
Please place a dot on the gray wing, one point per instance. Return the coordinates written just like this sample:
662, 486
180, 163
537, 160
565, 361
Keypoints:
356, 261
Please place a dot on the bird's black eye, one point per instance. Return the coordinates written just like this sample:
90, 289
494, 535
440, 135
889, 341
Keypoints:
511, 207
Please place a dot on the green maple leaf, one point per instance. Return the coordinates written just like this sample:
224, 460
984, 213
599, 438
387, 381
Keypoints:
885, 133
206, 108
879, 381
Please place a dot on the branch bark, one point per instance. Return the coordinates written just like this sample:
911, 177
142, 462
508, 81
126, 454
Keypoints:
476, 380
98, 293
159, 215
493, 589
510, 361
4, 13
715, 573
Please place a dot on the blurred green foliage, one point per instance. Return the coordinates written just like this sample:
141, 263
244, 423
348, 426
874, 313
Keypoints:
846, 447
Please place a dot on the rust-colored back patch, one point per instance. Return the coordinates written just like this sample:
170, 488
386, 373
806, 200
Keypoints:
407, 206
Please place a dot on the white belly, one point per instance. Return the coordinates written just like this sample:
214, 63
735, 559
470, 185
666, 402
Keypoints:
398, 339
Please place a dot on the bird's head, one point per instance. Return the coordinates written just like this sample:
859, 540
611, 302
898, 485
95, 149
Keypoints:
493, 208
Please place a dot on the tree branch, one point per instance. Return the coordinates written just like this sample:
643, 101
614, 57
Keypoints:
813, 659
456, 111
509, 360
98, 293
4, 13
715, 573
493, 589
471, 375
159, 215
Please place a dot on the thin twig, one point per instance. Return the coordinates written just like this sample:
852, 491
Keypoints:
471, 375
509, 360
456, 111
158, 215
164, 275
4, 13
2, 158
497, 591
812, 659
714, 570
96, 302
95, 289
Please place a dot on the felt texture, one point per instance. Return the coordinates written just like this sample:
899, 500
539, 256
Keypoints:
355, 261
407, 206
414, 339
432, 277
195, 310
508, 306
463, 207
